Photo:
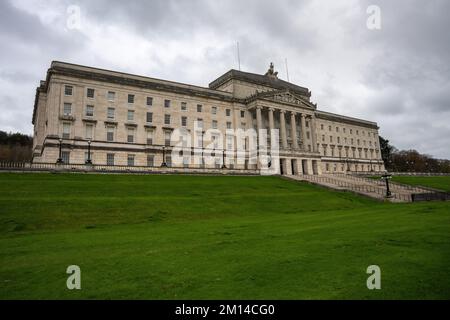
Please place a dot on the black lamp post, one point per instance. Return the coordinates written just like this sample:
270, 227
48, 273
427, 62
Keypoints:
60, 160
223, 160
386, 178
89, 161
203, 160
164, 164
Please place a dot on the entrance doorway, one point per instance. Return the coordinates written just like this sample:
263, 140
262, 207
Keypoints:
294, 167
305, 167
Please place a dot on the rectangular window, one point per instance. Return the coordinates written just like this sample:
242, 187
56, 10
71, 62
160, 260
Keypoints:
214, 110
150, 160
351, 131
149, 117
65, 155
167, 119
90, 93
167, 135
329, 128
89, 111
183, 106
307, 135
150, 137
214, 124
111, 112
149, 101
228, 125
199, 108
331, 138
110, 159
242, 114
321, 127
67, 109
111, 95
130, 115
337, 129
89, 131
169, 161
66, 131
68, 90
338, 139
166, 103
183, 121
200, 123
307, 124
130, 135
130, 160
110, 134
186, 162
131, 98
228, 112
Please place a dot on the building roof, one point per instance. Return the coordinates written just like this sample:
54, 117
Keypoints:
345, 119
258, 79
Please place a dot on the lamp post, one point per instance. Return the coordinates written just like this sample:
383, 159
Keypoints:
223, 160
89, 161
60, 160
203, 160
164, 164
386, 178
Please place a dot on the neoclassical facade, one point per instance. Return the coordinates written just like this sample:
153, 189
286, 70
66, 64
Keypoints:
112, 118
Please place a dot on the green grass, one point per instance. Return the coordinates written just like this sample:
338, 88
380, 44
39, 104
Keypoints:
437, 182
198, 237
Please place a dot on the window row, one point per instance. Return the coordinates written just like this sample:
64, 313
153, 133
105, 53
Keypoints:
111, 96
345, 140
344, 130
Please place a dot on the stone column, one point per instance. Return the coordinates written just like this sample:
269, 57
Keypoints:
294, 131
313, 133
258, 119
271, 122
303, 122
283, 129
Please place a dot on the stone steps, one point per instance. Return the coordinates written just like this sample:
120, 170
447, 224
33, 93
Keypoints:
369, 187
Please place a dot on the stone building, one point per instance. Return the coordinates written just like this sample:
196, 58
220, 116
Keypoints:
112, 118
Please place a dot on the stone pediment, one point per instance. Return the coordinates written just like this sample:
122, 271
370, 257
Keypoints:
284, 96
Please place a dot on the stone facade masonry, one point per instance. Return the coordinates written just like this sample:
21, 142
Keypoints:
311, 141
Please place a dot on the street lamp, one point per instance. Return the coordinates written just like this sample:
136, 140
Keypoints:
164, 164
60, 160
223, 160
89, 161
386, 178
203, 159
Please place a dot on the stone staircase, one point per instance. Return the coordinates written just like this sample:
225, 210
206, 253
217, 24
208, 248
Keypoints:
365, 186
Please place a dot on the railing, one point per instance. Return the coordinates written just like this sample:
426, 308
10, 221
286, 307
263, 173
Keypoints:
367, 189
27, 166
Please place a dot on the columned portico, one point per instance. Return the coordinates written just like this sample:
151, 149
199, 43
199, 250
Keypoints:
283, 129
294, 131
303, 123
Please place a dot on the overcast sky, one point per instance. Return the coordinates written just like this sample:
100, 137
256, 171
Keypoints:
398, 76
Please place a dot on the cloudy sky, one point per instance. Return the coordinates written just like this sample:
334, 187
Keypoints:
398, 76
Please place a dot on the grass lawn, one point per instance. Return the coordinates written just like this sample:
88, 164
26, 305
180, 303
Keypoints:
195, 237
437, 182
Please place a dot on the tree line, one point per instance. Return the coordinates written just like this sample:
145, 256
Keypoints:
15, 147
410, 160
